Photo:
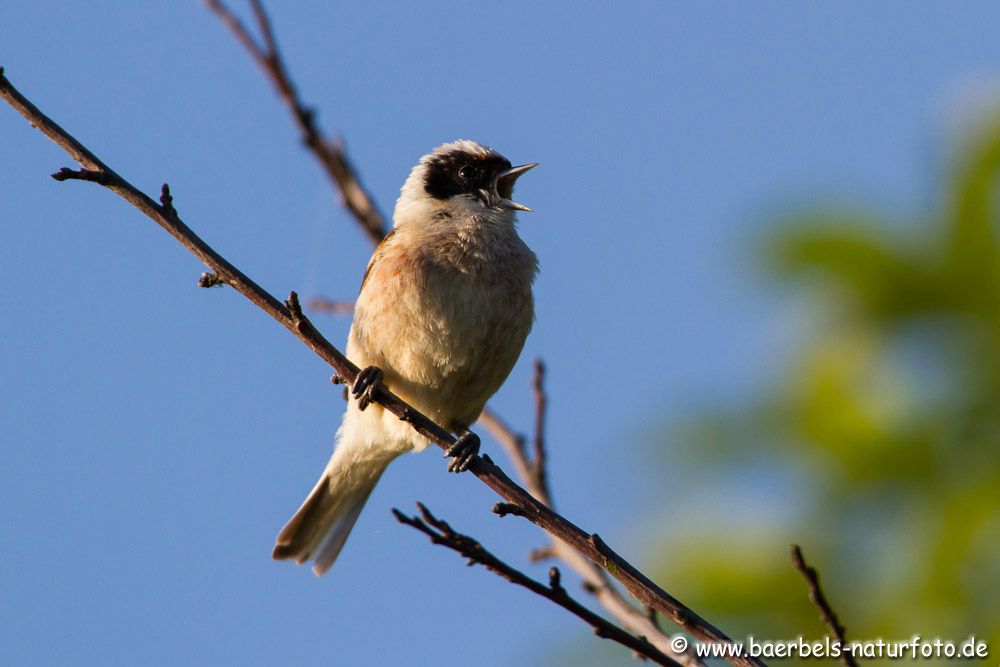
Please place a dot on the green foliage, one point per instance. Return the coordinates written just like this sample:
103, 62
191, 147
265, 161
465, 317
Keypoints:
878, 446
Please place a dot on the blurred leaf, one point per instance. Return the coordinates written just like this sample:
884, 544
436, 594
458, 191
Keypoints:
859, 264
882, 431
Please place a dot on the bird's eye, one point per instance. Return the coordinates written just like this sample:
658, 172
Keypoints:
468, 172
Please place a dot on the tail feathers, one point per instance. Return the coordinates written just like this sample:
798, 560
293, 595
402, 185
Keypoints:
320, 527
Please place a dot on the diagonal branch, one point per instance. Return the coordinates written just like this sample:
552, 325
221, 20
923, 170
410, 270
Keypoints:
532, 473
289, 314
826, 613
331, 154
342, 175
441, 533
595, 579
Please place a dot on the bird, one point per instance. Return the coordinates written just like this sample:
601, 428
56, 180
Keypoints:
443, 312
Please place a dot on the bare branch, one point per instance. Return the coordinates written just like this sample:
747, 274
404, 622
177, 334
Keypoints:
289, 315
541, 553
331, 154
341, 173
513, 444
323, 305
532, 473
92, 175
826, 613
538, 465
503, 509
595, 580
441, 533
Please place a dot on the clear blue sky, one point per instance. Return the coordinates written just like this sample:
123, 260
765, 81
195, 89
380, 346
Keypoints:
156, 436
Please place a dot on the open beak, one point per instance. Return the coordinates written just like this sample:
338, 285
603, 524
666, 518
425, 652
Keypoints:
505, 186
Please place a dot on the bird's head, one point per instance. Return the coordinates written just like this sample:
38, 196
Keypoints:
461, 177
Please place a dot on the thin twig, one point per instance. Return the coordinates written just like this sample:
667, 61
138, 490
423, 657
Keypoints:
331, 154
595, 579
532, 473
321, 304
538, 463
340, 171
513, 444
347, 181
826, 613
441, 533
291, 317
331, 157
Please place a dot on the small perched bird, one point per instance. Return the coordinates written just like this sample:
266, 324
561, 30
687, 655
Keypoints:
443, 312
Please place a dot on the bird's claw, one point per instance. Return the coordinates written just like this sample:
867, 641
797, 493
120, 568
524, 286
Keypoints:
366, 385
462, 452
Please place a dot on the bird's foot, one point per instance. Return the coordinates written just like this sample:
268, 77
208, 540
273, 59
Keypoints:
462, 452
366, 385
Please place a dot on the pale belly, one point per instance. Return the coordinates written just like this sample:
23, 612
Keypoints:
445, 354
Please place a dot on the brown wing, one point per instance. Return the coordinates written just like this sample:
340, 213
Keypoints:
375, 255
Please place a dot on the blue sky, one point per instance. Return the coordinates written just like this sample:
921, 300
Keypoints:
156, 436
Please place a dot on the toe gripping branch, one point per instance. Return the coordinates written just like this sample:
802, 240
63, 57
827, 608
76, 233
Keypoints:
463, 451
366, 385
